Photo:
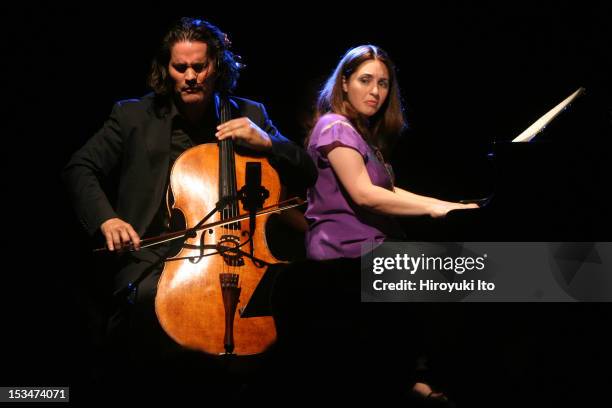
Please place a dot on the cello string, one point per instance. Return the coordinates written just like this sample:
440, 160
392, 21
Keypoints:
223, 178
229, 180
232, 169
231, 185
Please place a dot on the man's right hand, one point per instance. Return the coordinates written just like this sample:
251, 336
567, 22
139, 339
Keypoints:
119, 234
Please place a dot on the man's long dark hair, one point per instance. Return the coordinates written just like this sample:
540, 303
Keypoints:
226, 63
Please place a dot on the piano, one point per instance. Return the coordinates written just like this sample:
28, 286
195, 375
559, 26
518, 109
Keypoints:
552, 188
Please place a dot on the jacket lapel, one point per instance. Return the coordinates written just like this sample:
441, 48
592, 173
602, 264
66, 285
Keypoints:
158, 136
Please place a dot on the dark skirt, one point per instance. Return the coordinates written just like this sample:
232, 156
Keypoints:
334, 345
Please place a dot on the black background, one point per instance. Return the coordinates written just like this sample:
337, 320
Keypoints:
469, 75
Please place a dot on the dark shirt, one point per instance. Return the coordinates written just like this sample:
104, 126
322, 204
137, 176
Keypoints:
185, 135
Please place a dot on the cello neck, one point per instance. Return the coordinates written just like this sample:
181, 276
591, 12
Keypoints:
227, 165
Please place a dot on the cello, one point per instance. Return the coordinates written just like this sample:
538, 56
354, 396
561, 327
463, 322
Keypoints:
204, 289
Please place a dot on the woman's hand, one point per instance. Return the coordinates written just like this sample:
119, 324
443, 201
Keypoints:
119, 234
246, 130
439, 210
425, 391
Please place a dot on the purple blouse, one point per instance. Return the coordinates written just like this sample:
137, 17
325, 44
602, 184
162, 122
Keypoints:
338, 226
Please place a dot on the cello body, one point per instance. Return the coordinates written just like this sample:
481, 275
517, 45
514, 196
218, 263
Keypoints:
204, 288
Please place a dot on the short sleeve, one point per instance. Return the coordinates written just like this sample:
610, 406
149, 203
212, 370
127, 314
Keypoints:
339, 133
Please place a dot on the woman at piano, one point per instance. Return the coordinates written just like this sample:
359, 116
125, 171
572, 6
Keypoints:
354, 199
353, 202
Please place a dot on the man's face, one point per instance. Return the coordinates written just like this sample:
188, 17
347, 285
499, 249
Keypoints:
192, 71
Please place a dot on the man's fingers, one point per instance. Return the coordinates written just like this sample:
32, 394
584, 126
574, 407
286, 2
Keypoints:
134, 237
227, 131
231, 126
109, 241
119, 234
230, 136
125, 237
119, 238
244, 129
116, 239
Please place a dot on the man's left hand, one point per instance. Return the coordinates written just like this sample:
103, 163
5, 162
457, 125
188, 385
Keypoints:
247, 131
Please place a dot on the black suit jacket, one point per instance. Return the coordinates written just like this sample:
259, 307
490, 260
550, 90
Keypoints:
135, 140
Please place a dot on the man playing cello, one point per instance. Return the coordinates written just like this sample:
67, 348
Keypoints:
141, 139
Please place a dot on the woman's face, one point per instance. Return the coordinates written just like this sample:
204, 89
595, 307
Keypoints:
367, 88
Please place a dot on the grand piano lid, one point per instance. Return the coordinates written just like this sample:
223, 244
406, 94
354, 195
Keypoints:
544, 120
